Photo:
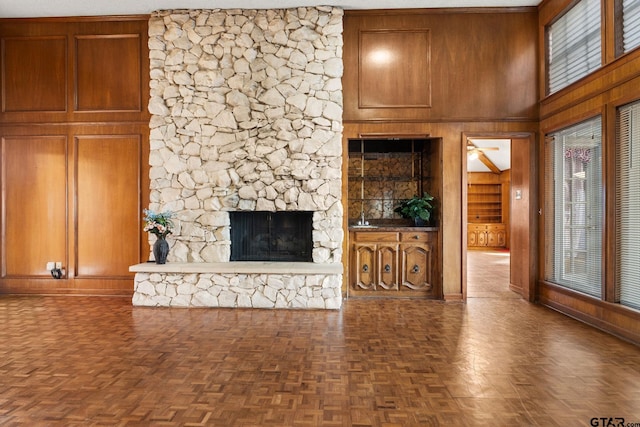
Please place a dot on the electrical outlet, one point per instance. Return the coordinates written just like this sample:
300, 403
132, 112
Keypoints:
51, 265
58, 264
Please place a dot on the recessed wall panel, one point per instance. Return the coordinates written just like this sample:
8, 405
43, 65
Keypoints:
34, 74
34, 204
108, 73
395, 69
108, 210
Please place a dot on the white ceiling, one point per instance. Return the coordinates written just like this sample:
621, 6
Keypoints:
500, 157
47, 8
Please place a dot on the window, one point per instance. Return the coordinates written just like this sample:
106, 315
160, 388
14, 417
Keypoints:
573, 207
574, 45
628, 205
627, 25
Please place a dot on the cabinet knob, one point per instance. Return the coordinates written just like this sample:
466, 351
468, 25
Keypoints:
416, 237
365, 268
387, 268
415, 269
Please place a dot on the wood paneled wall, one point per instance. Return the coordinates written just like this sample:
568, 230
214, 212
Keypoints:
74, 140
440, 64
616, 83
449, 73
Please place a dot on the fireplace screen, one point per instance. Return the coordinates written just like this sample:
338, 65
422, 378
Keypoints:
271, 236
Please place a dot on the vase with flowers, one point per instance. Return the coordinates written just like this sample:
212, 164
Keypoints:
161, 225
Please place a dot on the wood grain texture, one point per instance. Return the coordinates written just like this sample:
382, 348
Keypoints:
74, 70
394, 69
107, 204
481, 65
34, 204
35, 74
108, 73
491, 362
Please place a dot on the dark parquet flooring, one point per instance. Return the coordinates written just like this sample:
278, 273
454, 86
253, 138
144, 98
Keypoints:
90, 361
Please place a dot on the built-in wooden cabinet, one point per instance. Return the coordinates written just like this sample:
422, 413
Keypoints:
488, 209
486, 235
400, 263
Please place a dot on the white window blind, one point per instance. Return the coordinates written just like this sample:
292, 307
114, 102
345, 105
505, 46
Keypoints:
574, 207
628, 205
630, 24
574, 45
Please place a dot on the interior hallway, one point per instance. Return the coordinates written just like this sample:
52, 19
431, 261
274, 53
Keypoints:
85, 361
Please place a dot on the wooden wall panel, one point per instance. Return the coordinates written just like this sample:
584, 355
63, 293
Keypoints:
107, 204
108, 72
34, 204
93, 69
88, 86
34, 74
483, 65
392, 63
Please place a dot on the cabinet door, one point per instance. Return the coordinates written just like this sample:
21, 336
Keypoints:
387, 267
492, 238
472, 238
362, 267
482, 238
496, 236
416, 267
501, 238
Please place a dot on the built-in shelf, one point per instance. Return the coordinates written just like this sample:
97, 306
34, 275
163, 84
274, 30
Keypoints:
484, 203
384, 172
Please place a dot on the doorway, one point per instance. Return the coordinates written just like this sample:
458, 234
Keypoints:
498, 216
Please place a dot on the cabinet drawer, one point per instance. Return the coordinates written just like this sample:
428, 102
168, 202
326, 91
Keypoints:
477, 227
374, 236
415, 236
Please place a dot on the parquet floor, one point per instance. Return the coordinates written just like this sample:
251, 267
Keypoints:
90, 361
488, 274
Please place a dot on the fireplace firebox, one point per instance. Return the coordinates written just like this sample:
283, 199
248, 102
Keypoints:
271, 236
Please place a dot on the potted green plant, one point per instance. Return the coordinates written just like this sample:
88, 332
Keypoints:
419, 209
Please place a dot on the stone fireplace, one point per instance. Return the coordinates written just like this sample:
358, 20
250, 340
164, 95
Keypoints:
246, 116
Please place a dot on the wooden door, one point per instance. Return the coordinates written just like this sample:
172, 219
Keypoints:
387, 266
523, 218
416, 268
482, 238
363, 268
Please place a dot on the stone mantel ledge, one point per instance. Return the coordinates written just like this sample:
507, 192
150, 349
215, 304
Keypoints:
240, 267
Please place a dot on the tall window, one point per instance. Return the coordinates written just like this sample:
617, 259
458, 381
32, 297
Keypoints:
574, 45
627, 25
574, 207
628, 205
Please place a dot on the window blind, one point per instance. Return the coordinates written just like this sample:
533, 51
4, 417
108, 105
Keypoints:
628, 205
574, 45
630, 24
574, 207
